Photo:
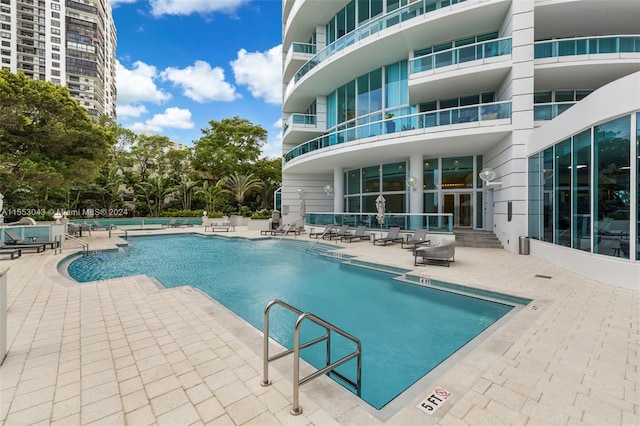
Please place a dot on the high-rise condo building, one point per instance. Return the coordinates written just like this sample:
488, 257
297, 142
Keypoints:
518, 117
67, 42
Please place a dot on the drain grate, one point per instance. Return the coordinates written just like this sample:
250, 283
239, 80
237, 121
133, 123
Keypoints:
546, 277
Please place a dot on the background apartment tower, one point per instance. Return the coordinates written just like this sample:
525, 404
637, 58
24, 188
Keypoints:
412, 99
66, 42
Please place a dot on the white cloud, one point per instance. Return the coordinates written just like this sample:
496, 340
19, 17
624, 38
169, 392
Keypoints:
131, 110
115, 3
273, 147
261, 72
172, 118
201, 83
137, 85
187, 7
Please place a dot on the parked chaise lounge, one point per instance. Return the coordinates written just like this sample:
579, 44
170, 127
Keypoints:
16, 240
359, 234
392, 237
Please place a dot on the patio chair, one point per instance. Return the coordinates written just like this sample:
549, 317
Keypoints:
288, 229
392, 237
11, 251
444, 252
340, 232
419, 237
270, 231
328, 229
183, 222
16, 240
359, 234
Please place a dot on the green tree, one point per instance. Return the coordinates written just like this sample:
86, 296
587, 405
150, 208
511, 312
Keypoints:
239, 185
47, 139
228, 146
153, 193
210, 192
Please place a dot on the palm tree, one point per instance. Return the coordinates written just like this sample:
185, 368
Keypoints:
211, 193
240, 185
154, 192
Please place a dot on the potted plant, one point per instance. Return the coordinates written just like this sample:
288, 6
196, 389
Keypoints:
391, 125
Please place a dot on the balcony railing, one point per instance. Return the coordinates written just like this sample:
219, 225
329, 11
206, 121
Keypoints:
458, 55
309, 49
406, 13
543, 112
587, 46
422, 120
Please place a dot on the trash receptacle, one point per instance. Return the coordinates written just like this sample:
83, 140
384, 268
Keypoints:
524, 245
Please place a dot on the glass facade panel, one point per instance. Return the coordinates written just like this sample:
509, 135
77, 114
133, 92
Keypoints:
479, 210
457, 172
395, 203
369, 203
581, 169
371, 179
612, 185
431, 175
394, 177
547, 175
353, 204
562, 173
638, 184
535, 196
353, 181
431, 202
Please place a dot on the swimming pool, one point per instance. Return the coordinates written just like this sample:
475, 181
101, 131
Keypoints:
406, 330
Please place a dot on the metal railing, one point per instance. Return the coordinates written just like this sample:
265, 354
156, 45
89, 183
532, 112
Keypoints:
114, 227
403, 14
423, 120
60, 237
587, 46
297, 346
461, 54
433, 222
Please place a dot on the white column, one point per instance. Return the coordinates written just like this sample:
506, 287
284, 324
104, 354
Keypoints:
416, 201
338, 190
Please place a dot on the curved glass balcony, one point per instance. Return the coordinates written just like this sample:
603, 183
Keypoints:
300, 120
458, 55
406, 13
422, 120
306, 48
587, 46
544, 112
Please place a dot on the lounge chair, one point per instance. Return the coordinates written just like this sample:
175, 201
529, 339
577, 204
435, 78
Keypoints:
171, 224
11, 251
270, 231
444, 252
184, 222
218, 225
96, 226
320, 234
392, 237
288, 229
419, 237
16, 240
359, 234
340, 232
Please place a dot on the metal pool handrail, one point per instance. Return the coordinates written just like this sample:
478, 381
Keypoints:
330, 367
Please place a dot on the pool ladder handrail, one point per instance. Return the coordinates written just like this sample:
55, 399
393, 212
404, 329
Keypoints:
126, 235
58, 243
326, 230
330, 367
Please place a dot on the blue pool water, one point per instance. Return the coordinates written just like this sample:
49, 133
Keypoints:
406, 330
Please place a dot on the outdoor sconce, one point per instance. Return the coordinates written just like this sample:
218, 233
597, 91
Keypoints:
300, 191
488, 175
411, 182
328, 189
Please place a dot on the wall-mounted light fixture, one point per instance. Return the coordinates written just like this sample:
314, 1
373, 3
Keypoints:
328, 189
411, 182
488, 175
300, 191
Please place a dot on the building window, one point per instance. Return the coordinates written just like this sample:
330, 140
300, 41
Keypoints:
581, 169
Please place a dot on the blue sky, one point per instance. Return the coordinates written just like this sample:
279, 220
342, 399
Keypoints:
183, 63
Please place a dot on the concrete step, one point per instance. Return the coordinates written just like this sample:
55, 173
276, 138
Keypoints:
475, 238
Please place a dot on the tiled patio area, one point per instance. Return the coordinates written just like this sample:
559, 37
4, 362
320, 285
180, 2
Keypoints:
126, 351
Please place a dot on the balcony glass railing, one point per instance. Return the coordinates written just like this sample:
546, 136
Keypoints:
458, 55
408, 12
307, 48
294, 120
422, 120
587, 46
433, 222
544, 112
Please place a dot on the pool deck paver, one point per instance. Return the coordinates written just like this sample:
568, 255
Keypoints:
126, 351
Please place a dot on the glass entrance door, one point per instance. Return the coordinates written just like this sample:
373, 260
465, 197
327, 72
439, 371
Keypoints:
460, 204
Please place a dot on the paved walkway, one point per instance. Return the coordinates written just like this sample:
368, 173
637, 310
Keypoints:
126, 351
